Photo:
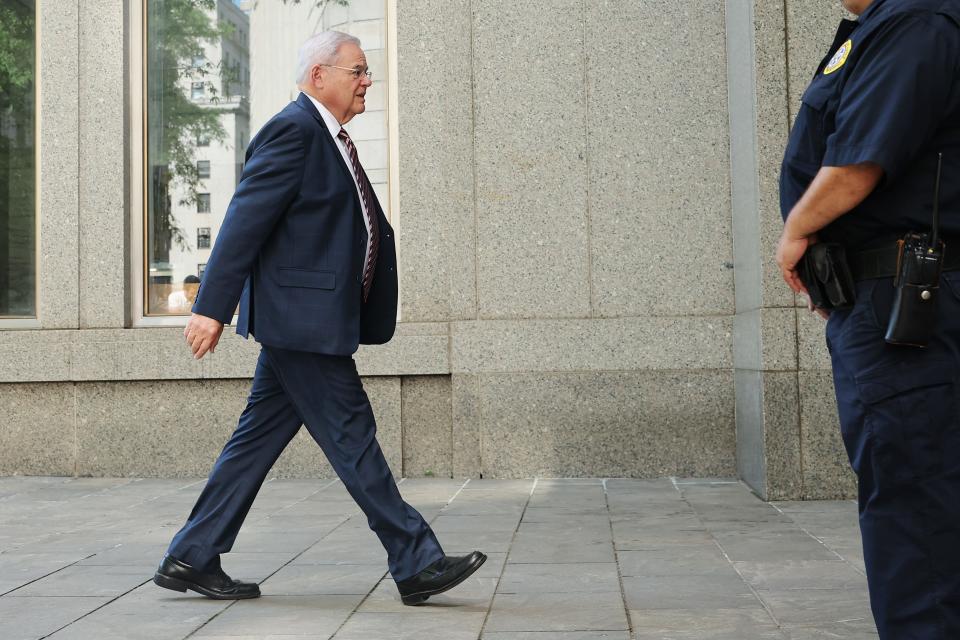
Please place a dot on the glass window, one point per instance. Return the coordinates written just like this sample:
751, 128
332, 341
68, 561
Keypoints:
18, 222
200, 269
200, 117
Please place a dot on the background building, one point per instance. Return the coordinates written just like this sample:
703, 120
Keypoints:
586, 208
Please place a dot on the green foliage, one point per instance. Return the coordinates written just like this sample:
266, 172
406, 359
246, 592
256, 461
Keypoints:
17, 166
16, 57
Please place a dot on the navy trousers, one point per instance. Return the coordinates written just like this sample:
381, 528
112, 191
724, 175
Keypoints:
901, 429
324, 393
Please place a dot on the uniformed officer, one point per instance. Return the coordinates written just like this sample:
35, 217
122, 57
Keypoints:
859, 169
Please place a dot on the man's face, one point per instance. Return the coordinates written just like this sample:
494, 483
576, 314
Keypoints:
338, 89
856, 7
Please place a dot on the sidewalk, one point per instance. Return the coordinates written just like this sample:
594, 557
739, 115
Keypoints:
568, 560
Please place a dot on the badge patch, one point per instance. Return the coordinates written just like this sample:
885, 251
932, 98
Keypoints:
839, 58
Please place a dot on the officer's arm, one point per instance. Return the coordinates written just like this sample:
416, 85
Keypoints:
270, 182
833, 192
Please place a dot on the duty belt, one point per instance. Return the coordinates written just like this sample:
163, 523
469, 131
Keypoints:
882, 262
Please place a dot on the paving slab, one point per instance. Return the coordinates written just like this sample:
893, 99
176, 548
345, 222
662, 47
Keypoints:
32, 618
586, 611
745, 623
560, 578
412, 625
558, 635
569, 559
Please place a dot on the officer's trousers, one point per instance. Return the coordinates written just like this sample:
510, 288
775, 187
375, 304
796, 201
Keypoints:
900, 421
324, 393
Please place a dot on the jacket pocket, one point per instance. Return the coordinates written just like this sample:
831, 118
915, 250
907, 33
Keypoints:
290, 277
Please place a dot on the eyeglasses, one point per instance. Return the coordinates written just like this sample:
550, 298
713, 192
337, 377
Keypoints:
354, 71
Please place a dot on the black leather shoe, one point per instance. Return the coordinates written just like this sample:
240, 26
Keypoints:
445, 573
179, 576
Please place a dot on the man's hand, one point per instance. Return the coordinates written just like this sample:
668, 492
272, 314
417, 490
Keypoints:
833, 192
789, 252
202, 334
823, 313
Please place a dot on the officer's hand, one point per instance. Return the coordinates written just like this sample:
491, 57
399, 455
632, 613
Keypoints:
789, 252
823, 313
202, 334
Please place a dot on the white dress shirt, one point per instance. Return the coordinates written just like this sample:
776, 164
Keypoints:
333, 128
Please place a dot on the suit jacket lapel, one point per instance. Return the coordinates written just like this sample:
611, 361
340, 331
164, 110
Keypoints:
305, 103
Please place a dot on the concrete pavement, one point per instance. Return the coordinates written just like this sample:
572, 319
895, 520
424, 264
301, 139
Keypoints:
568, 560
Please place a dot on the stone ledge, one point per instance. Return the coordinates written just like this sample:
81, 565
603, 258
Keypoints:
160, 354
440, 348
621, 344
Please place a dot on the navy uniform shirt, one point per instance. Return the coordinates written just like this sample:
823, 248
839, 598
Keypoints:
887, 92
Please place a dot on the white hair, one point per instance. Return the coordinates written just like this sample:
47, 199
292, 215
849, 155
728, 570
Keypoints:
321, 48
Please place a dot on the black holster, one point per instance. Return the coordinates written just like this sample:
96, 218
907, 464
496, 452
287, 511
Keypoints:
826, 275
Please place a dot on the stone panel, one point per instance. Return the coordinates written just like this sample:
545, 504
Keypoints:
104, 222
235, 357
465, 398
24, 361
756, 75
436, 227
766, 339
161, 354
751, 441
385, 398
93, 360
811, 25
747, 346
178, 428
812, 342
37, 435
427, 427
781, 430
658, 157
155, 429
416, 349
744, 191
600, 344
531, 170
778, 339
639, 424
59, 159
826, 470
772, 125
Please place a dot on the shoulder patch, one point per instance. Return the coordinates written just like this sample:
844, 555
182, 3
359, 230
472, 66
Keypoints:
839, 58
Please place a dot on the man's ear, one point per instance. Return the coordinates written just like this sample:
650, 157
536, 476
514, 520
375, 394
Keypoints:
316, 76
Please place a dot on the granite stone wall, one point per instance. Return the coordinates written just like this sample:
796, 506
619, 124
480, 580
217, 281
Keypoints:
587, 213
788, 440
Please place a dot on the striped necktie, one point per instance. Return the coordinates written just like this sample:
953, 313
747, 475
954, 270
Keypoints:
366, 193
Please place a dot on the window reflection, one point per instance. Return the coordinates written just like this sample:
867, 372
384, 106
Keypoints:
217, 70
17, 158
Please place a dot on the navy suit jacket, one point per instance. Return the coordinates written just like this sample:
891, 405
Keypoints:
292, 245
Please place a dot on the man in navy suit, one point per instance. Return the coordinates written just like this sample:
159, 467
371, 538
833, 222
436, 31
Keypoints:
307, 251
